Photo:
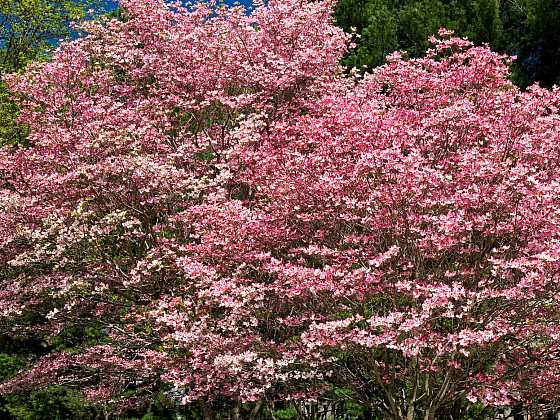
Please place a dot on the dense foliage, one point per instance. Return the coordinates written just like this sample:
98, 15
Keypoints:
29, 31
212, 211
525, 28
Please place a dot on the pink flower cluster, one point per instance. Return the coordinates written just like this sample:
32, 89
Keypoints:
211, 188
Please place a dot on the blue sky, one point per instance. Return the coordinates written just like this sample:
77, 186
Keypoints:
111, 4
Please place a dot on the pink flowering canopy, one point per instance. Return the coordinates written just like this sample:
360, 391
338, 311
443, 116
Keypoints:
239, 220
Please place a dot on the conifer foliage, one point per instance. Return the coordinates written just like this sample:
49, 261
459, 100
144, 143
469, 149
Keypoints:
527, 29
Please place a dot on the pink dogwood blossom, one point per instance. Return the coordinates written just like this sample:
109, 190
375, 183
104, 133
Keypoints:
244, 221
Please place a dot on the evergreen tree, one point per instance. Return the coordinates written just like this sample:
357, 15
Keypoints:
376, 23
534, 36
526, 28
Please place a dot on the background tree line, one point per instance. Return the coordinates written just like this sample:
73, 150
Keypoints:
525, 28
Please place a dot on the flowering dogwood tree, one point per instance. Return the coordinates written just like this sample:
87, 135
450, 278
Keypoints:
239, 222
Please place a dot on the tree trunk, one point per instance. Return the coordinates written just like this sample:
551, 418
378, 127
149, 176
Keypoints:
207, 413
255, 411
